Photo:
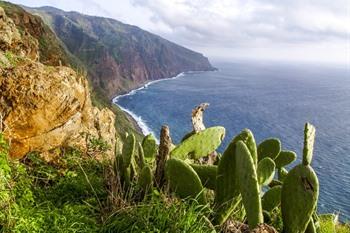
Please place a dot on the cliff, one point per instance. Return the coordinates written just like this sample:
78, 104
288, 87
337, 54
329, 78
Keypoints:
117, 56
43, 106
45, 101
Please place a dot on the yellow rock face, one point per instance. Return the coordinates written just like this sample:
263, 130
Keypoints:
43, 107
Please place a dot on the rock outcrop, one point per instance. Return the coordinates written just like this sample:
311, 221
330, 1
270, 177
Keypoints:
43, 107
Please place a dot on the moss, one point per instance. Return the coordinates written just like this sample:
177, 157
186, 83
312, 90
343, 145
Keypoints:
11, 58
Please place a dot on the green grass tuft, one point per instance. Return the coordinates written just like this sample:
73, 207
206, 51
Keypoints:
160, 215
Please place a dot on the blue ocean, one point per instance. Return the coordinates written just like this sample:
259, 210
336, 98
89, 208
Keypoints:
271, 99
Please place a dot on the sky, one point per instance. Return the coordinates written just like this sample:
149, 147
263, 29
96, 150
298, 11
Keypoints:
288, 30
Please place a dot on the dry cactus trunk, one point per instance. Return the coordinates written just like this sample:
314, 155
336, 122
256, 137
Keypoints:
163, 155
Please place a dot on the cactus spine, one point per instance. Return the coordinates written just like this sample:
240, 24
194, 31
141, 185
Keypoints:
248, 185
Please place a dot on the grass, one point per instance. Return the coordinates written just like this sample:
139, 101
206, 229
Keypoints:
70, 195
160, 215
40, 197
328, 224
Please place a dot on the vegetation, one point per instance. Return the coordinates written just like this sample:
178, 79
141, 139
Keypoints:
77, 193
40, 197
124, 123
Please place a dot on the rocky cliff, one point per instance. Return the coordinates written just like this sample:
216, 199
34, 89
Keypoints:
118, 56
43, 106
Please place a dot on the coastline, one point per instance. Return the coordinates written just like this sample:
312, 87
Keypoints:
145, 129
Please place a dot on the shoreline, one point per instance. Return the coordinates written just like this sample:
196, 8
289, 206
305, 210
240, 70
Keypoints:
145, 129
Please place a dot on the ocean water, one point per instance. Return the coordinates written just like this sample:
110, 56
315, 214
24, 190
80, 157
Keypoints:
271, 99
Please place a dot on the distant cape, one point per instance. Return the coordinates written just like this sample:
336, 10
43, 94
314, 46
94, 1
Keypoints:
119, 57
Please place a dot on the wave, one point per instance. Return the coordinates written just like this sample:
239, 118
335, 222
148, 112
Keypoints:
140, 122
133, 92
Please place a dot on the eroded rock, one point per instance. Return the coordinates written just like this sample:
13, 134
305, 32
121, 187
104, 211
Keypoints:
44, 107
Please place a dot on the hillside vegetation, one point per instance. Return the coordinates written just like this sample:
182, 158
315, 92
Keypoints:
72, 162
170, 188
118, 56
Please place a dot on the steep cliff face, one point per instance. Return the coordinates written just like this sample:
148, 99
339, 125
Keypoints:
43, 107
118, 56
51, 50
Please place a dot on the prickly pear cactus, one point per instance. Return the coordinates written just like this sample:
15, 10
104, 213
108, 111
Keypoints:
309, 139
183, 180
207, 174
284, 158
248, 138
149, 145
141, 157
248, 185
145, 179
227, 189
128, 149
200, 144
188, 135
123, 172
299, 198
269, 148
272, 198
265, 171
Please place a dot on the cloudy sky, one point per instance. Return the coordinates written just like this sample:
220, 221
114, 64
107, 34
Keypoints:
301, 30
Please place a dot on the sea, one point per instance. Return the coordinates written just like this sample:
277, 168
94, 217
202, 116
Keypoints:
273, 99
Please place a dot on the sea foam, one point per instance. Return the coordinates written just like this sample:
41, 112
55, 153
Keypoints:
140, 122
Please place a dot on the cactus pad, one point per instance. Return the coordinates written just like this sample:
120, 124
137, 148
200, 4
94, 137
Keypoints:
141, 157
145, 179
248, 138
149, 145
200, 144
207, 174
299, 198
128, 149
272, 198
227, 189
248, 185
309, 139
183, 180
265, 171
269, 148
284, 158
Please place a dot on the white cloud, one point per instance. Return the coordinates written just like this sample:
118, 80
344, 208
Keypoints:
232, 28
